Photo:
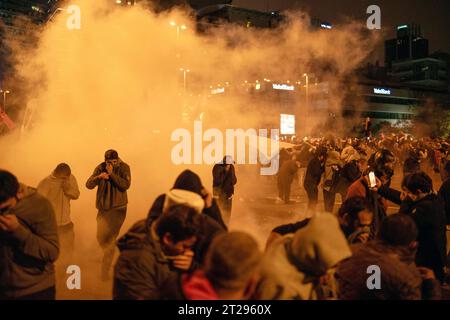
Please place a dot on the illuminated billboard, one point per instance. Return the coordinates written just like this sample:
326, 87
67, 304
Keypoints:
287, 124
286, 87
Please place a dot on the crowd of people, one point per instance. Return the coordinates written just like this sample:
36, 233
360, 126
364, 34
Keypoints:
184, 250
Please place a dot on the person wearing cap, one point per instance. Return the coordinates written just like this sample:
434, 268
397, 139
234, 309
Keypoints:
112, 179
60, 188
224, 180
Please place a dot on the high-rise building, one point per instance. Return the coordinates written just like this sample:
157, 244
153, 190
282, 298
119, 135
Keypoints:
409, 44
408, 60
18, 20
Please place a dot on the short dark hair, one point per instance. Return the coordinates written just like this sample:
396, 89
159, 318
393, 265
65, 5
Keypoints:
353, 206
380, 170
232, 259
398, 230
418, 181
111, 155
180, 221
9, 185
321, 151
62, 170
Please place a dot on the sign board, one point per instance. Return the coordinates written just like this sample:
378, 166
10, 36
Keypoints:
283, 87
287, 124
382, 91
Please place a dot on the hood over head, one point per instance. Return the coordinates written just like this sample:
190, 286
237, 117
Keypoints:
320, 245
190, 181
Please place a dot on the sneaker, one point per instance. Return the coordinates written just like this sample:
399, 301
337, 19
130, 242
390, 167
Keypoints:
278, 200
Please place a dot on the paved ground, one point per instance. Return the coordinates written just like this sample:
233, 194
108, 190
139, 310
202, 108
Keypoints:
254, 211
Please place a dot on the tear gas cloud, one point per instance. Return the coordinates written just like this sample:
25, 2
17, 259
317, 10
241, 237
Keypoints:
116, 83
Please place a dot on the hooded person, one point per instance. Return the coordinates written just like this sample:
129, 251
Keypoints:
294, 265
208, 227
153, 257
190, 181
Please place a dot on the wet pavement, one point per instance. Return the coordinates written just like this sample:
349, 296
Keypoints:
254, 211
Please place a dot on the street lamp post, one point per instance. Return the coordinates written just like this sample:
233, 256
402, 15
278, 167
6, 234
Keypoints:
5, 92
307, 89
179, 28
185, 72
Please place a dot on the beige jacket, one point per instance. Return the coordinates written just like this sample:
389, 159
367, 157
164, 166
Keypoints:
60, 192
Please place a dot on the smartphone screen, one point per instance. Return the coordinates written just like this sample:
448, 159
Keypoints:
373, 181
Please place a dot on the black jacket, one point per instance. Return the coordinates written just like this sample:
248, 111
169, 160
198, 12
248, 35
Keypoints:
209, 228
313, 174
348, 174
189, 181
142, 272
429, 215
223, 181
411, 165
213, 212
290, 228
444, 193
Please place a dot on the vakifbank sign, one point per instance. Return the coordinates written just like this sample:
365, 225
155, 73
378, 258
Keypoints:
283, 87
383, 91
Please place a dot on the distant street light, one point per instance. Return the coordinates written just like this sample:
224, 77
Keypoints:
5, 92
185, 72
307, 88
179, 28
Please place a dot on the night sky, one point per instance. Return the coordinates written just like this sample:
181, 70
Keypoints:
432, 15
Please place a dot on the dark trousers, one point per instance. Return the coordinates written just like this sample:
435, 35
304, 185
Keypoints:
225, 206
313, 197
109, 223
284, 190
328, 200
47, 294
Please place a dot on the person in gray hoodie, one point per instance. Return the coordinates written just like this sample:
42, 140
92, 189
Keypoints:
112, 179
60, 188
300, 266
29, 243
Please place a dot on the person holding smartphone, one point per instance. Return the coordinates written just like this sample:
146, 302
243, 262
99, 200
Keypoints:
366, 187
